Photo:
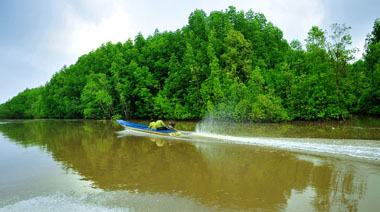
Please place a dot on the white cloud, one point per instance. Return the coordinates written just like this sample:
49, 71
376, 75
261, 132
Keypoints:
85, 36
295, 18
80, 34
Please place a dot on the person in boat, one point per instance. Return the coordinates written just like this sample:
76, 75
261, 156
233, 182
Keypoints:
152, 125
160, 125
157, 125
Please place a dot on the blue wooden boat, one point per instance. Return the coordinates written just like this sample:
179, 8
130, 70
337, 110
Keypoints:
145, 128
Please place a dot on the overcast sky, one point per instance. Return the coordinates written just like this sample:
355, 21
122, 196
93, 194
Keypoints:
38, 37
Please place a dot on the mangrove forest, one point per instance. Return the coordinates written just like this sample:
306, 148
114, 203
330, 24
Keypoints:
231, 65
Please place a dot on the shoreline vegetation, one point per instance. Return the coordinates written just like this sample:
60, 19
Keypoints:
229, 65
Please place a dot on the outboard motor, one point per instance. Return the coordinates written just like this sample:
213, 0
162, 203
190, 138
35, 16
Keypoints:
171, 126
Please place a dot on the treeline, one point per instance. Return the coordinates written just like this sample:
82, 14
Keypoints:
230, 65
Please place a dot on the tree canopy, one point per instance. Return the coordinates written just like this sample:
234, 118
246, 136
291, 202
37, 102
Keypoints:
231, 65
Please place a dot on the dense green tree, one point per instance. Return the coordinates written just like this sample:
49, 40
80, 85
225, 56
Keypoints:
230, 65
340, 54
96, 97
370, 99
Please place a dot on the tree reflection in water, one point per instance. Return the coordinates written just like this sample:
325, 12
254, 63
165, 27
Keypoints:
236, 177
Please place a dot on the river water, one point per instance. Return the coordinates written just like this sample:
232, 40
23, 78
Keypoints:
76, 165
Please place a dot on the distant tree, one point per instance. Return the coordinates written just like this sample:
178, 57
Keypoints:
340, 53
374, 36
316, 39
370, 100
97, 101
296, 45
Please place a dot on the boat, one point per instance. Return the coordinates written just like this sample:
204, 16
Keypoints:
145, 128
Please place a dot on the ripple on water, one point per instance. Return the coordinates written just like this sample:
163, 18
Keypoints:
106, 201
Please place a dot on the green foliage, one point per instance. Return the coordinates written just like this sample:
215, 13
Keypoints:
96, 98
369, 102
230, 65
21, 106
316, 39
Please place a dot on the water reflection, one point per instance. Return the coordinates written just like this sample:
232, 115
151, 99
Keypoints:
235, 177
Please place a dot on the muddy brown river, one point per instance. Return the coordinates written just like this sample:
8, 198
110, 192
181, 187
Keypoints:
77, 165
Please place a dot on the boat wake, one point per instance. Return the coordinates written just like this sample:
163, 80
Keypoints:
368, 150
361, 149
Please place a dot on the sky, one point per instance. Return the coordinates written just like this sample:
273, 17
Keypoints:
39, 37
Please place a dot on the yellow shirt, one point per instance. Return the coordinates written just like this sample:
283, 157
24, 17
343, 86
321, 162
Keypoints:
152, 125
159, 124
